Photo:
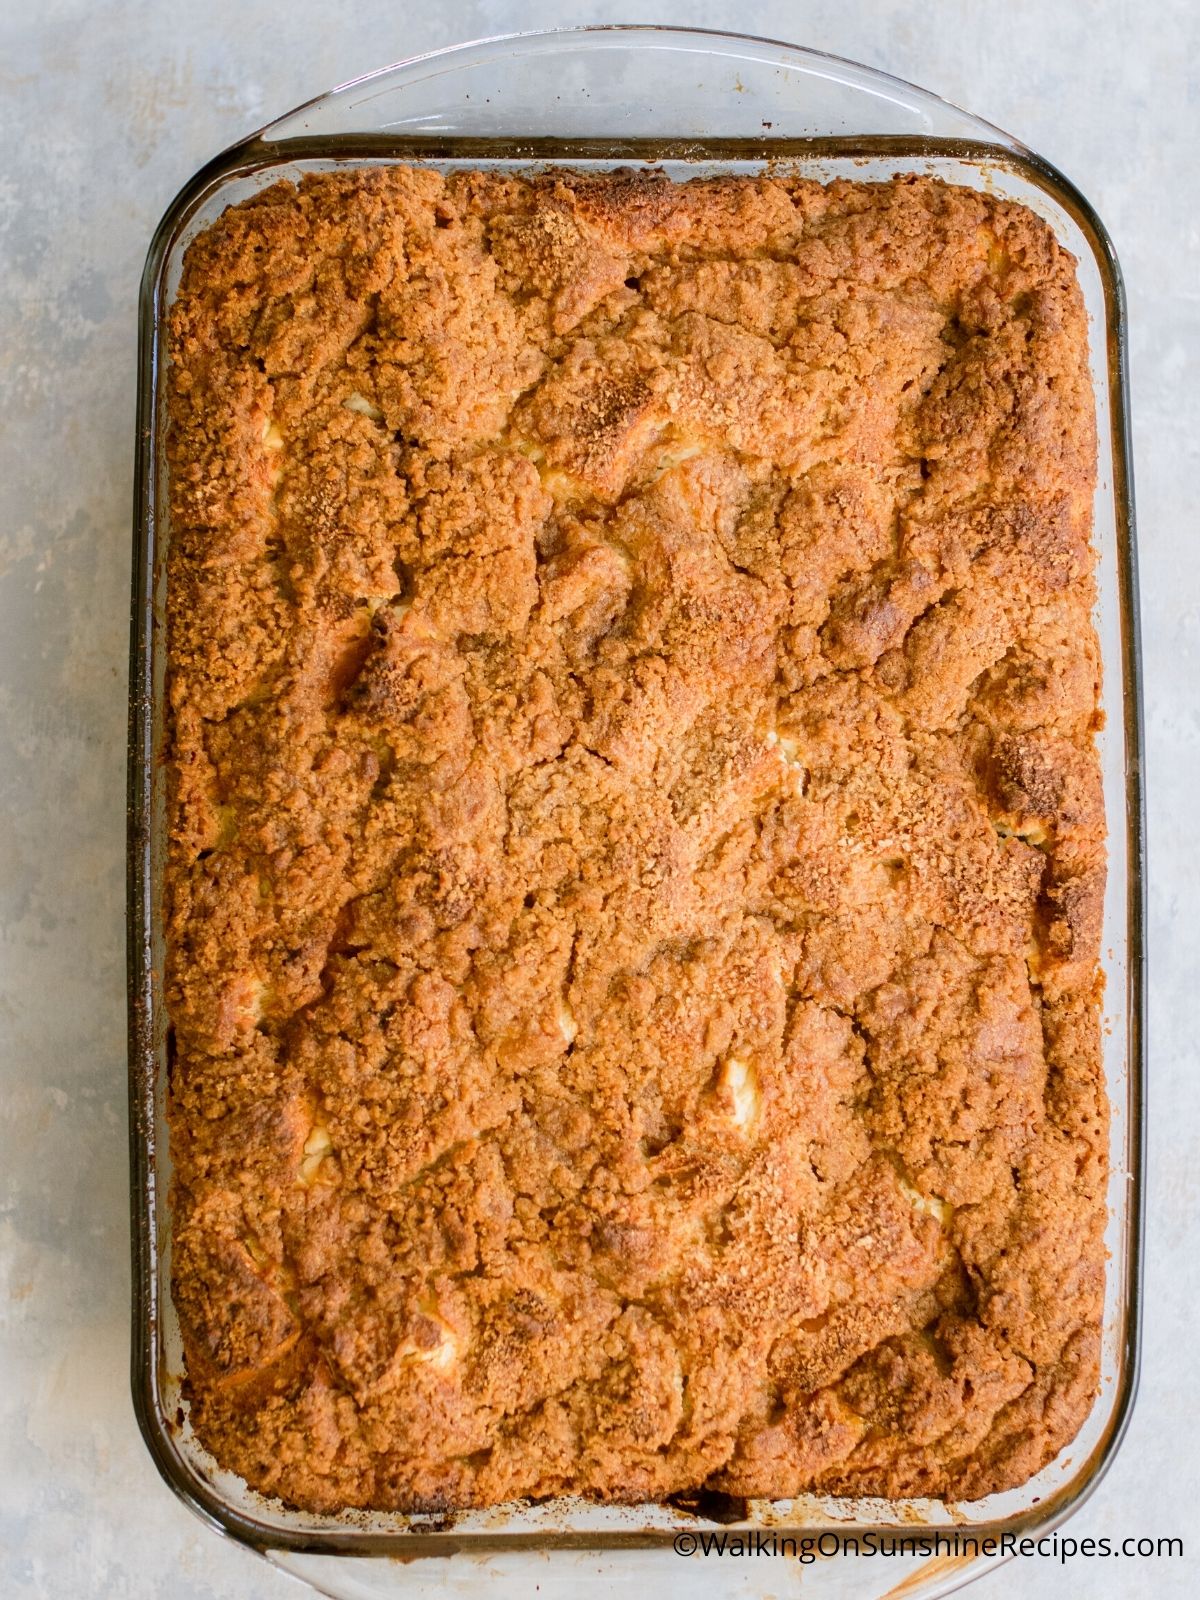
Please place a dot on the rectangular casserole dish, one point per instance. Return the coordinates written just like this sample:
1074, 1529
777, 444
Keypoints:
691, 103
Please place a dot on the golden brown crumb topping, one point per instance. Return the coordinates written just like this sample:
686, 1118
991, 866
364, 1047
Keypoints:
636, 839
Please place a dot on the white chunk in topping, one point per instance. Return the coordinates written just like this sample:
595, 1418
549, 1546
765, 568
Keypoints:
931, 1204
399, 608
565, 1018
1034, 835
364, 407
676, 456
737, 1088
786, 750
317, 1146
442, 1355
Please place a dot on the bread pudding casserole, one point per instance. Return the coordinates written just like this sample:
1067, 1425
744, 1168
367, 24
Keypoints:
636, 840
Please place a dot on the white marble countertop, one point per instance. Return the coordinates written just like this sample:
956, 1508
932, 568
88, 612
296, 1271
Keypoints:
104, 110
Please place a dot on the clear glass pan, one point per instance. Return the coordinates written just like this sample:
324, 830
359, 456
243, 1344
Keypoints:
693, 102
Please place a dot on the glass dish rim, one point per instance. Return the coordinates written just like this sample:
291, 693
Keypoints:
254, 154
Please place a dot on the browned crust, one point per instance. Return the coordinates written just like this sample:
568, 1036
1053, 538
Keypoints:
636, 839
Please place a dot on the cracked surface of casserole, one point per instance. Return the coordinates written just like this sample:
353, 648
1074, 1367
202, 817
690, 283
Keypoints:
636, 839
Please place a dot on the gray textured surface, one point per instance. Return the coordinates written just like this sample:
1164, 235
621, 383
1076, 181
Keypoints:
104, 110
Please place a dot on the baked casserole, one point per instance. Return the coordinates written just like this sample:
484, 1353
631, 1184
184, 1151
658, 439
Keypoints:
636, 842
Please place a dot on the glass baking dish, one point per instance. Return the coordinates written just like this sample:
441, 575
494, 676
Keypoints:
692, 102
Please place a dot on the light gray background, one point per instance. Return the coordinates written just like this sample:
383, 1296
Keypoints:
105, 109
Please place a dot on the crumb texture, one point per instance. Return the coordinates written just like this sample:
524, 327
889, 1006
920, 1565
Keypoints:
636, 839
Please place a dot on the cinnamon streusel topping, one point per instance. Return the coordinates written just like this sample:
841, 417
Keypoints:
636, 839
